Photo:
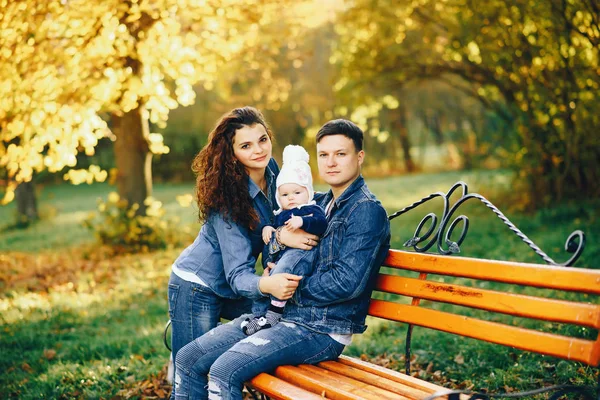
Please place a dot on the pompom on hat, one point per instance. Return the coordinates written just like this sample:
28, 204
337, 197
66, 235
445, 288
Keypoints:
296, 170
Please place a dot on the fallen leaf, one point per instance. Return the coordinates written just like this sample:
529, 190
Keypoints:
49, 354
459, 359
429, 368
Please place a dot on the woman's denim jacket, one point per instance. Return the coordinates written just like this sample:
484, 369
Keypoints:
335, 297
224, 253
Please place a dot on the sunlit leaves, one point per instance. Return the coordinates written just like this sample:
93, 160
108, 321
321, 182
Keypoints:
65, 63
92, 174
537, 60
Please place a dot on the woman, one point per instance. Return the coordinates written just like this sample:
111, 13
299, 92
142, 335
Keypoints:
214, 277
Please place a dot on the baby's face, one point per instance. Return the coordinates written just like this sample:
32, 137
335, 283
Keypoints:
292, 195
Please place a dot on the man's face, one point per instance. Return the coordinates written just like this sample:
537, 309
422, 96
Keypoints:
339, 163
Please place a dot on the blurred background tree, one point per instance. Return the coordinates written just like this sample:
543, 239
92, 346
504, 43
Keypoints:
531, 64
74, 72
436, 85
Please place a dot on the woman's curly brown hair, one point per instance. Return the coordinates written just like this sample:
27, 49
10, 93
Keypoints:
222, 181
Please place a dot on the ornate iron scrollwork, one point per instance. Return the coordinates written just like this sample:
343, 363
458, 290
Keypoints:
442, 235
166, 343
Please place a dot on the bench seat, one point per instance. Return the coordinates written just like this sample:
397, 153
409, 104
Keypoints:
433, 278
345, 378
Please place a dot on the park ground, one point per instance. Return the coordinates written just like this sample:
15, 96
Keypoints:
77, 321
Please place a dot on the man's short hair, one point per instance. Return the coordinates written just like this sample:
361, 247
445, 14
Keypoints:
342, 127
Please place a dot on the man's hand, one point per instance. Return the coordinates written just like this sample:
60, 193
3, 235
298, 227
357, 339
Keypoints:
298, 239
267, 232
295, 222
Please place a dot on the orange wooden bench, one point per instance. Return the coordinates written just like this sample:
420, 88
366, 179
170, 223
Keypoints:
414, 276
350, 378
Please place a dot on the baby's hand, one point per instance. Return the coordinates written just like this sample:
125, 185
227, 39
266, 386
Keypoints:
267, 232
267, 270
294, 222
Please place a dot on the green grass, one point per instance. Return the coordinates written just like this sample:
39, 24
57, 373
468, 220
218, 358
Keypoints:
84, 339
95, 330
63, 209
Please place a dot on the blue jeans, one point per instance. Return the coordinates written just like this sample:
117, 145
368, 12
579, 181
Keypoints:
194, 310
289, 262
292, 261
232, 358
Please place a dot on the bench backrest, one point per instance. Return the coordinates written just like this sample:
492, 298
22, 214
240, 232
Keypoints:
505, 301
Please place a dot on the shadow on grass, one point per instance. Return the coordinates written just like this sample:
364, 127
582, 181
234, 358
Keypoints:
86, 330
87, 353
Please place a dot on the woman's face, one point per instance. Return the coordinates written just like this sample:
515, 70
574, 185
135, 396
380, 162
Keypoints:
252, 147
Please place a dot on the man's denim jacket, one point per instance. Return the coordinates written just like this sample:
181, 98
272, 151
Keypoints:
335, 297
224, 253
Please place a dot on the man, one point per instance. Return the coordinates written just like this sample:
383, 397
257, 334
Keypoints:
329, 306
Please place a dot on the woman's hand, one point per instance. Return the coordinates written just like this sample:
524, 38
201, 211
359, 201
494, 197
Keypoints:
281, 286
297, 239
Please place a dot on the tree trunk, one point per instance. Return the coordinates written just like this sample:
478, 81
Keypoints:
26, 202
399, 122
467, 142
133, 157
432, 123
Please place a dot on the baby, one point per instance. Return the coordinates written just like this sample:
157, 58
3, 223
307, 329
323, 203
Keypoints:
297, 211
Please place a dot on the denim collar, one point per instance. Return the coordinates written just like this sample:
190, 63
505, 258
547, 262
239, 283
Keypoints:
253, 188
349, 192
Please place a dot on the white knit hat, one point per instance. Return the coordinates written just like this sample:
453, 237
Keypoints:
296, 170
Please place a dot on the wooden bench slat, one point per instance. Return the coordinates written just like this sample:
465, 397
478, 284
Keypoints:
279, 389
331, 388
375, 389
524, 339
375, 380
507, 303
545, 276
390, 374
